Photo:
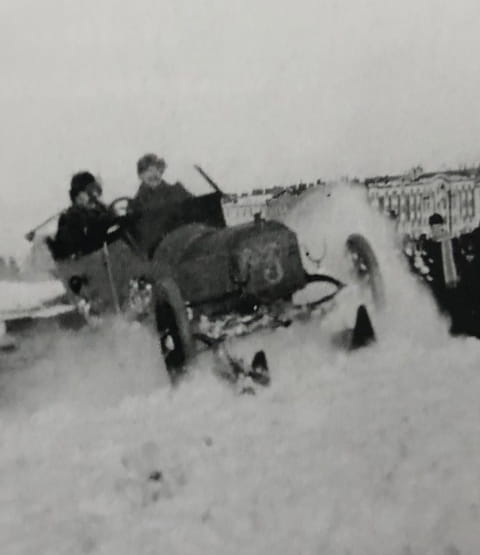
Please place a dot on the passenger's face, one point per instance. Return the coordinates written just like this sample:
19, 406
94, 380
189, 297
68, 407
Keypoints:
152, 176
82, 199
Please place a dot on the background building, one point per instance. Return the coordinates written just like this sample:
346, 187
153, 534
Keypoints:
243, 208
411, 199
272, 203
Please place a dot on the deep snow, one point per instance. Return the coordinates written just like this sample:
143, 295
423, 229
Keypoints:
372, 452
20, 296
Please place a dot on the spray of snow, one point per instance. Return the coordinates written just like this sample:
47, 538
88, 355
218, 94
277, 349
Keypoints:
325, 217
18, 295
368, 452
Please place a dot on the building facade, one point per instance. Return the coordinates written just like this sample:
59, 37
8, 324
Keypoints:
411, 200
272, 204
244, 209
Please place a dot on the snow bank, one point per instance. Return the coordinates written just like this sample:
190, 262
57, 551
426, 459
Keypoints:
18, 295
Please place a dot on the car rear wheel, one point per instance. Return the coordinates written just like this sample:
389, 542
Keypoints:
173, 327
365, 268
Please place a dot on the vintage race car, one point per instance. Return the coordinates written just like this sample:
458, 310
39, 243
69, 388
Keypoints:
200, 282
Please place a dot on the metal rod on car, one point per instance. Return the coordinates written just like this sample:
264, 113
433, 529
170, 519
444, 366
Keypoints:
31, 234
110, 278
208, 179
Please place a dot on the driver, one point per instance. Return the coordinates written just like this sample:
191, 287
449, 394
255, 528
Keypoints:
153, 188
83, 226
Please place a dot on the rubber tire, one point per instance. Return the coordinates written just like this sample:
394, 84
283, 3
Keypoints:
171, 318
358, 244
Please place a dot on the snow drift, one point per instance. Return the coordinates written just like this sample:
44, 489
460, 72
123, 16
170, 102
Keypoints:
370, 452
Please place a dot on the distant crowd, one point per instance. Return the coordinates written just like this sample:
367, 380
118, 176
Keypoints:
450, 267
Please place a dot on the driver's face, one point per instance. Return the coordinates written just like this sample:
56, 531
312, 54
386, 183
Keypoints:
152, 176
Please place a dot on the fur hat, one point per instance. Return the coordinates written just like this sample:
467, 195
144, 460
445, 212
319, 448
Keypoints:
81, 181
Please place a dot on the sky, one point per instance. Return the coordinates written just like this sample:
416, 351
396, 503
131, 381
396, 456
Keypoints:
258, 92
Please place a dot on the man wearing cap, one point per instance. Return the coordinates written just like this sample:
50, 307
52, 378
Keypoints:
442, 268
441, 253
83, 226
153, 188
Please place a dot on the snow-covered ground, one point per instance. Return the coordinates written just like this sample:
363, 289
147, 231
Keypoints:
372, 452
20, 296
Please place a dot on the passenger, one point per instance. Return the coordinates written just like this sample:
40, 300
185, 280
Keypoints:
153, 188
82, 228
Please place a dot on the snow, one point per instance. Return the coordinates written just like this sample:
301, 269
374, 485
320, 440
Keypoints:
18, 295
369, 452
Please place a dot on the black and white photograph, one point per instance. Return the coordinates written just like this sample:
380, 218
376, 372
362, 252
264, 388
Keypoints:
240, 277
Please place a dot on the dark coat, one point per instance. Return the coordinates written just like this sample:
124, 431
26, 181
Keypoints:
451, 300
154, 211
149, 197
470, 284
81, 230
432, 257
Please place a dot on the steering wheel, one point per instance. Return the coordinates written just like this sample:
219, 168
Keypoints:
120, 206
